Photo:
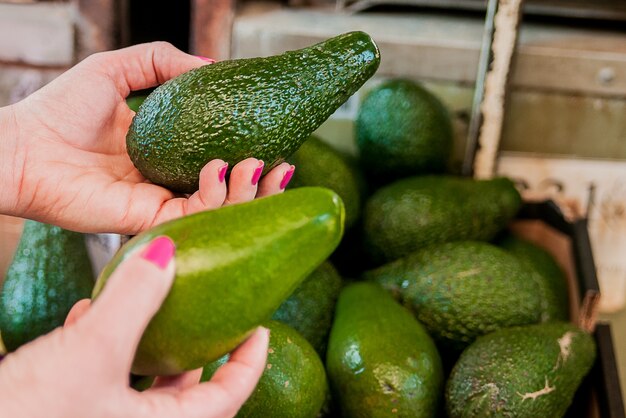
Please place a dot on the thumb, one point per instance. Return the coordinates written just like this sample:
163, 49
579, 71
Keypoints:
146, 65
131, 297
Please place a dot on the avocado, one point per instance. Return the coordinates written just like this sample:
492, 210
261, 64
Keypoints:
309, 310
381, 362
234, 267
256, 107
403, 130
461, 290
319, 164
412, 213
134, 102
547, 273
522, 372
293, 383
49, 273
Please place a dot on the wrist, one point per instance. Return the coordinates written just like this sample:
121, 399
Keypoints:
11, 160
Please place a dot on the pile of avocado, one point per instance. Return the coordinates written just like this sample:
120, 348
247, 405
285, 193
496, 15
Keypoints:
427, 307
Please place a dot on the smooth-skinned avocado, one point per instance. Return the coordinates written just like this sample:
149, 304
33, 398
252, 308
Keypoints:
319, 164
461, 290
50, 272
403, 130
381, 362
294, 381
520, 372
415, 212
234, 267
547, 273
255, 107
310, 308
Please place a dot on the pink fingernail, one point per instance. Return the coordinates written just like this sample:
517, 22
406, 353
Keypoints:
221, 173
287, 177
209, 60
257, 173
160, 252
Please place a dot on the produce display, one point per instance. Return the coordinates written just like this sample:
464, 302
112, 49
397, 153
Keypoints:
447, 314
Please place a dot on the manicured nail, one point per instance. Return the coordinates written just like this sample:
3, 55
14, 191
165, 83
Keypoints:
287, 177
209, 60
257, 173
221, 173
159, 252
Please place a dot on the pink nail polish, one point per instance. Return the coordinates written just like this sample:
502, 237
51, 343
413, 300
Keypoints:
209, 60
257, 173
221, 173
287, 177
159, 252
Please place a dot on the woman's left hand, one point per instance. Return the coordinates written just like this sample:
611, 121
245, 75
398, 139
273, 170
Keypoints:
63, 155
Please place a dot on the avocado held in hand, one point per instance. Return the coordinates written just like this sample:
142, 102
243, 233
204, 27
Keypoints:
234, 267
258, 107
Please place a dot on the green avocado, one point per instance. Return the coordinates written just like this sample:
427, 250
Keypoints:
403, 130
522, 372
461, 290
381, 362
234, 267
49, 273
293, 383
418, 211
256, 107
319, 164
547, 273
309, 310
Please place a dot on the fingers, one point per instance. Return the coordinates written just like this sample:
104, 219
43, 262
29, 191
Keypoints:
244, 180
212, 191
232, 384
276, 180
179, 382
131, 297
146, 65
78, 310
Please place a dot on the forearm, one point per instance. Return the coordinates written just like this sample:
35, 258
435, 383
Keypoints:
12, 158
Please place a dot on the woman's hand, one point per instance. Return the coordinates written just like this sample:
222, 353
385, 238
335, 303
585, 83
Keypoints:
64, 159
82, 370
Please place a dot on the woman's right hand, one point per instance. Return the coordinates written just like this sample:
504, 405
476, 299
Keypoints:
82, 369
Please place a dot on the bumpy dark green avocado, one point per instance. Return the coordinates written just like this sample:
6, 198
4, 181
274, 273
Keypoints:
293, 383
549, 276
381, 362
412, 213
309, 310
50, 272
319, 164
234, 267
258, 107
461, 290
402, 130
521, 372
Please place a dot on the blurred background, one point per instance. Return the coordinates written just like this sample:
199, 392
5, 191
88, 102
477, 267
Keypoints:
564, 129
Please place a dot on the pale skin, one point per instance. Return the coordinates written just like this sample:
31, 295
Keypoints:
63, 161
